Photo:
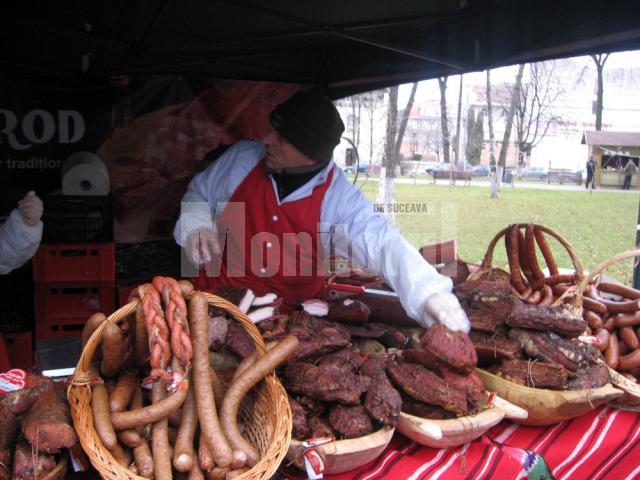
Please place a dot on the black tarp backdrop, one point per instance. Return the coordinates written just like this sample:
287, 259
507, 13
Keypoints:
42, 123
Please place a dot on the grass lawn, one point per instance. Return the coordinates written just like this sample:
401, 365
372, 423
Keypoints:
598, 226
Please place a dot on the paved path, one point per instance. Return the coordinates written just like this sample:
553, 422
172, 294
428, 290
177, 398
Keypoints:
542, 185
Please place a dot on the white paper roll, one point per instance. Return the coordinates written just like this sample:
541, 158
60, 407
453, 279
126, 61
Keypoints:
83, 173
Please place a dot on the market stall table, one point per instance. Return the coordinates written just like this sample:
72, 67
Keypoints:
604, 443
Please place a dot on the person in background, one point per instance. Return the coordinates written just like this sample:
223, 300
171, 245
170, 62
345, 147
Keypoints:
20, 235
286, 185
629, 169
591, 168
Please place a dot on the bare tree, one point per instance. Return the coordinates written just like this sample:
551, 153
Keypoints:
444, 123
492, 156
394, 137
502, 158
599, 60
534, 114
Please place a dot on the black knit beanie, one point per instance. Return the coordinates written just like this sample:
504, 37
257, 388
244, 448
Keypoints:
310, 122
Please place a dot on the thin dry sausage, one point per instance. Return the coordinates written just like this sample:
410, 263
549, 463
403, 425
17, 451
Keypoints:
210, 428
183, 449
546, 252
160, 448
151, 413
239, 388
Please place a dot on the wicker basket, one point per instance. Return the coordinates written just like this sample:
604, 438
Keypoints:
487, 272
267, 417
631, 399
546, 407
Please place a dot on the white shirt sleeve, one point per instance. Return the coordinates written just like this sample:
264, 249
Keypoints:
355, 231
18, 242
210, 189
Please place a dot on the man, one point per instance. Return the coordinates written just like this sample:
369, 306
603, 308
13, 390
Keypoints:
629, 169
20, 235
591, 166
285, 199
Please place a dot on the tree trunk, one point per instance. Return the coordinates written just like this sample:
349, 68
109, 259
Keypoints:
515, 95
457, 146
442, 83
405, 120
599, 61
390, 158
492, 155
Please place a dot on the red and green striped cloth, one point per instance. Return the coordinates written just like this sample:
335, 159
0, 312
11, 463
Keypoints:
602, 444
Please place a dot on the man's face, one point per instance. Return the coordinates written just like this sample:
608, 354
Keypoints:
280, 154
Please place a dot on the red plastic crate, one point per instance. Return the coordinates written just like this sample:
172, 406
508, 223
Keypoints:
125, 286
65, 327
74, 262
20, 349
78, 300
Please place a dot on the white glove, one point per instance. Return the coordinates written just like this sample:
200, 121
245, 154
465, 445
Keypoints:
203, 245
444, 308
30, 208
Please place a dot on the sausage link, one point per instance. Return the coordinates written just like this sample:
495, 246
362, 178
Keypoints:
91, 325
523, 258
123, 392
511, 242
210, 428
183, 449
239, 388
151, 413
594, 305
160, 448
629, 361
547, 297
144, 459
113, 349
627, 319
620, 290
101, 417
546, 252
612, 354
537, 280
603, 336
628, 336
592, 318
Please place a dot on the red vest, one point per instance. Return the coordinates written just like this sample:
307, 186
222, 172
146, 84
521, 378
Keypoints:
279, 249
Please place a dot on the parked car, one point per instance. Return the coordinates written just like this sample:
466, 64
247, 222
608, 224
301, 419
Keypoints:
481, 171
464, 166
350, 169
535, 173
431, 166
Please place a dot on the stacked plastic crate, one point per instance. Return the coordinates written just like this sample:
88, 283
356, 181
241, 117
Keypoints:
74, 269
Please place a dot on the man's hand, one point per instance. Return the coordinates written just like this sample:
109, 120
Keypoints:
30, 207
444, 308
202, 246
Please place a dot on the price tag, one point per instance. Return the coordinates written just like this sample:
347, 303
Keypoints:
12, 380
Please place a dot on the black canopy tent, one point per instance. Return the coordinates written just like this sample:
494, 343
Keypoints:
345, 47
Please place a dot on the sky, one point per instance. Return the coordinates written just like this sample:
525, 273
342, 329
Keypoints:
428, 89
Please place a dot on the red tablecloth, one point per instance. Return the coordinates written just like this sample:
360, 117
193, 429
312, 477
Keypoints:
602, 444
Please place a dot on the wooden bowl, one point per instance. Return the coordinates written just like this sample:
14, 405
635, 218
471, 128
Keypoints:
546, 407
457, 431
344, 455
